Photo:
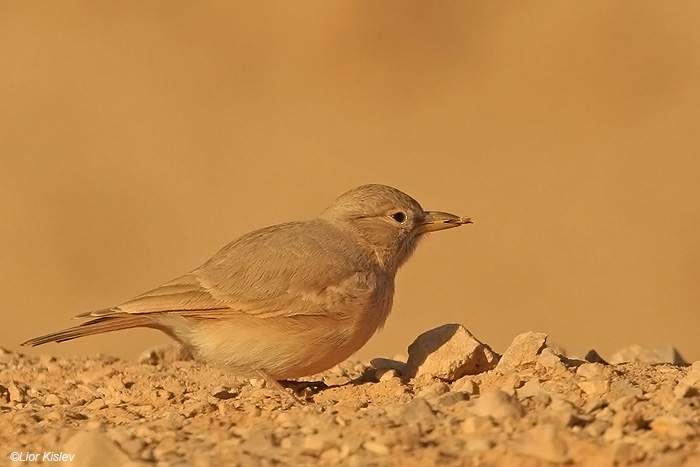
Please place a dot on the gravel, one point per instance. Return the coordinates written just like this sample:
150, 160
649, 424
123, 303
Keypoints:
536, 407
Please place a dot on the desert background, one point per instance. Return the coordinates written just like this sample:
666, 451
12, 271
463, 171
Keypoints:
138, 138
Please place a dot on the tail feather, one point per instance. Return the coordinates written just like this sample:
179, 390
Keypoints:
95, 326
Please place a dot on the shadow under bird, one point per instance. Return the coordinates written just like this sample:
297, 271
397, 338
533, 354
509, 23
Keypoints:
288, 300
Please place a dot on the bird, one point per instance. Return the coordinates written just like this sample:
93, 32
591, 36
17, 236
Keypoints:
289, 300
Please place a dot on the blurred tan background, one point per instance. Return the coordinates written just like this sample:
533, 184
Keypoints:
137, 138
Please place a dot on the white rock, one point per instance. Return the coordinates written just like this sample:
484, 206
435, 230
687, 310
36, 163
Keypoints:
376, 448
665, 353
523, 350
17, 392
497, 405
542, 442
52, 399
314, 444
477, 424
97, 404
593, 371
624, 388
594, 387
433, 390
466, 384
418, 411
449, 352
673, 427
550, 359
334, 455
92, 449
478, 444
452, 398
530, 389
385, 375
690, 384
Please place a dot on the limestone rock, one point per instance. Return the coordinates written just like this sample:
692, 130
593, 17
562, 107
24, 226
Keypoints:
551, 359
673, 427
449, 352
16, 392
542, 442
386, 375
376, 448
91, 448
690, 385
664, 353
433, 391
466, 384
498, 405
523, 350
419, 412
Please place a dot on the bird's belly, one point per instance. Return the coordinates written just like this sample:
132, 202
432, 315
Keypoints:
282, 347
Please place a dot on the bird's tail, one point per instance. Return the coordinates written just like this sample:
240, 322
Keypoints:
94, 326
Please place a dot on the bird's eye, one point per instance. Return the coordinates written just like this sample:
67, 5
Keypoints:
399, 216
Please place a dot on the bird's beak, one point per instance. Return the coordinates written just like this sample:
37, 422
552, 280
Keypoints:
435, 220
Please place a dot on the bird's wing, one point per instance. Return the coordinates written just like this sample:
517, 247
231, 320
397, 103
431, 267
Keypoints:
185, 293
302, 268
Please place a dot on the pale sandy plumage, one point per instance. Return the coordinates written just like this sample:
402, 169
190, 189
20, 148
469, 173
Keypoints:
288, 300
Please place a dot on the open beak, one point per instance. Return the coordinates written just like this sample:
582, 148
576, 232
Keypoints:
436, 220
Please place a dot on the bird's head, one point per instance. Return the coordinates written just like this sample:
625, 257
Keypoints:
387, 221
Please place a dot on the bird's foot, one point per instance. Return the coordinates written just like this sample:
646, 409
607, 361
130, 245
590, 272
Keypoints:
297, 392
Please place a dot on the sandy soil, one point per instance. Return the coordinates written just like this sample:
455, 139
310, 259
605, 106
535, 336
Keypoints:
537, 407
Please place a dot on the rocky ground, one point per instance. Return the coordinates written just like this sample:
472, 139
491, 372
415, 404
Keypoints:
454, 402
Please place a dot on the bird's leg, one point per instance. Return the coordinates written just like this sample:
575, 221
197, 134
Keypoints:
274, 384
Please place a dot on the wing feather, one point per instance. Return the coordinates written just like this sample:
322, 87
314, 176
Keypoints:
300, 268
